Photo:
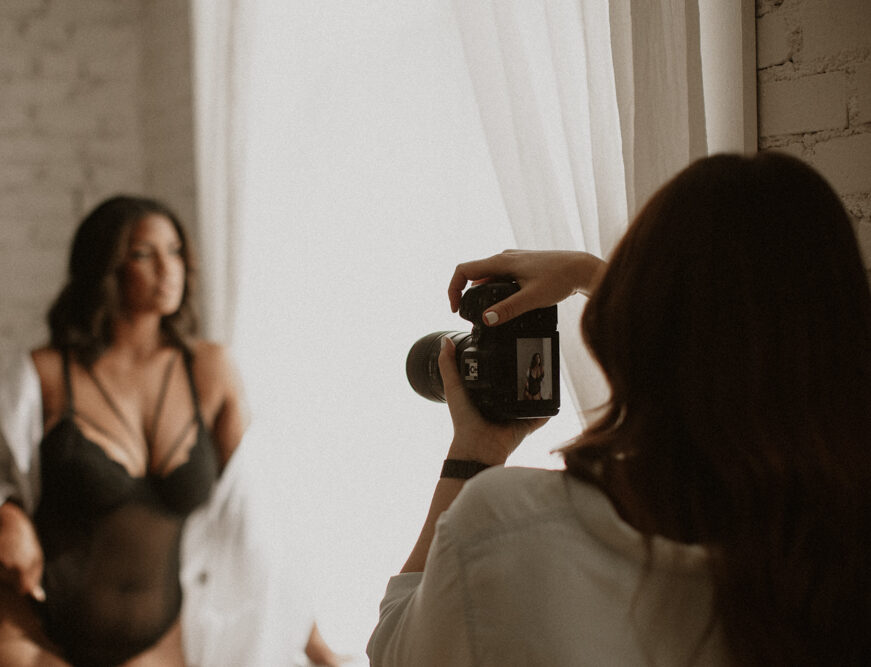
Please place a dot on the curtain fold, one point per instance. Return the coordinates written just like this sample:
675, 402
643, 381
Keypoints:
587, 108
219, 37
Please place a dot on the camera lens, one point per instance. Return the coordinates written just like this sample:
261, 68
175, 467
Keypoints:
422, 363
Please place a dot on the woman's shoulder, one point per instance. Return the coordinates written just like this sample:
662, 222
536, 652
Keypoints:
213, 367
47, 360
210, 357
504, 496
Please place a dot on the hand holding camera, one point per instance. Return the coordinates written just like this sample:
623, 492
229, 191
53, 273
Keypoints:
476, 438
545, 277
510, 371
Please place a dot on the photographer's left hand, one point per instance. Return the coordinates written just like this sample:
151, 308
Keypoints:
476, 438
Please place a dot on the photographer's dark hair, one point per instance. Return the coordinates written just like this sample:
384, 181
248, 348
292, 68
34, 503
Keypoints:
734, 327
82, 316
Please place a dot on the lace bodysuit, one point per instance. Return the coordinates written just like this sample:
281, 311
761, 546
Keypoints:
112, 540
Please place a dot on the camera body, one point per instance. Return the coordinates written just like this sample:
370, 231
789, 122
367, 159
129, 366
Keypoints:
510, 371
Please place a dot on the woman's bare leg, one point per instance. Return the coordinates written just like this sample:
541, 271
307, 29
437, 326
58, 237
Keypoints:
168, 652
22, 640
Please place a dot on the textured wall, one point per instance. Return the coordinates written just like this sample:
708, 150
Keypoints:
814, 74
94, 100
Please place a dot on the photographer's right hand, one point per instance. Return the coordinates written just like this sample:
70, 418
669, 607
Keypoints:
475, 438
545, 277
21, 557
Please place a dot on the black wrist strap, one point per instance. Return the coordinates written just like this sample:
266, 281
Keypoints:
457, 469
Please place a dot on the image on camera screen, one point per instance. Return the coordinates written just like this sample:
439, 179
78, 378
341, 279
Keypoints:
534, 381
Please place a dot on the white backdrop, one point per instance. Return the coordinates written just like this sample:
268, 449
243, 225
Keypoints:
371, 181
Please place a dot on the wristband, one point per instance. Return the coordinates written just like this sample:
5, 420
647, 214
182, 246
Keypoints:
457, 469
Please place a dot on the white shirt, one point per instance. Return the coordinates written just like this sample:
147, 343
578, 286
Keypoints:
534, 567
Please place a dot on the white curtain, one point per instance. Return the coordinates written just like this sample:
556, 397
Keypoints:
587, 108
220, 35
411, 135
241, 605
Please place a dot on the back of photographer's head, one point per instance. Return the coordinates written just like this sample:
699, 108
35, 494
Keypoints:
734, 326
738, 290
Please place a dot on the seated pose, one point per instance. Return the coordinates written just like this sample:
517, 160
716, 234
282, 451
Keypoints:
716, 511
112, 435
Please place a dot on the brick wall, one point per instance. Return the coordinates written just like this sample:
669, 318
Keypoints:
94, 100
814, 76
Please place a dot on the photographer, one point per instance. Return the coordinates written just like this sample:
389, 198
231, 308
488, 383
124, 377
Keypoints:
715, 512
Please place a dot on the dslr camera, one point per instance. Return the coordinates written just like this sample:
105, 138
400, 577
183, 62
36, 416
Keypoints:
510, 371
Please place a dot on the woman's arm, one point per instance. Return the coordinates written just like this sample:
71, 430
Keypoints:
220, 388
475, 439
21, 558
545, 277
22, 641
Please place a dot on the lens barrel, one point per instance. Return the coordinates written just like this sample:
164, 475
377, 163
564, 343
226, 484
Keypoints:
422, 363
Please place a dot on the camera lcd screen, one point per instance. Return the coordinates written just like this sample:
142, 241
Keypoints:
534, 369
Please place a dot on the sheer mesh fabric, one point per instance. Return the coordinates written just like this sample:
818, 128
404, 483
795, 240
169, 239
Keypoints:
111, 538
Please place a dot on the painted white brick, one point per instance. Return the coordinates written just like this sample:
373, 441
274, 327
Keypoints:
35, 203
845, 162
54, 234
17, 8
106, 39
96, 11
110, 179
863, 235
16, 176
115, 151
16, 64
830, 27
36, 91
807, 104
773, 47
14, 117
57, 65
50, 34
63, 174
863, 93
66, 120
123, 65
28, 148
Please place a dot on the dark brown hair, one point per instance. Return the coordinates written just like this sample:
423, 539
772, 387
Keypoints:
82, 317
734, 326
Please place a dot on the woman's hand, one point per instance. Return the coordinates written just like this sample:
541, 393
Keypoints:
475, 438
21, 557
545, 277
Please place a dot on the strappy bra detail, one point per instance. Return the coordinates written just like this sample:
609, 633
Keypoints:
111, 540
98, 482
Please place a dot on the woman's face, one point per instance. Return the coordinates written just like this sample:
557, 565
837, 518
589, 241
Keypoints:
153, 273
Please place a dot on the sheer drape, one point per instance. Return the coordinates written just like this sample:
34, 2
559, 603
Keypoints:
586, 109
236, 607
220, 37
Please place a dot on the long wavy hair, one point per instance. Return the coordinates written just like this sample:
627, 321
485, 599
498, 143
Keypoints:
734, 327
82, 317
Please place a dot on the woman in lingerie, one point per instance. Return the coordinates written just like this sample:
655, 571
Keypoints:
139, 417
534, 377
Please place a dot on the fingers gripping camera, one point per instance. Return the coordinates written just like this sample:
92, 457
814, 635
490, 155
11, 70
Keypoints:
510, 371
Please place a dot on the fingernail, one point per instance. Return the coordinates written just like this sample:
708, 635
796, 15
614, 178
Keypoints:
444, 342
38, 594
491, 317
